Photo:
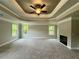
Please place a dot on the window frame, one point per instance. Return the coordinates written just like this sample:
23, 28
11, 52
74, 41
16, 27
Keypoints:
14, 30
51, 29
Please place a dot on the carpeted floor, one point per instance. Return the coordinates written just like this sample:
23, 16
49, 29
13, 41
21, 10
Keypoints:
37, 49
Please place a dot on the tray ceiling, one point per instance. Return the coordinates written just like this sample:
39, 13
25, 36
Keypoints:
54, 8
25, 4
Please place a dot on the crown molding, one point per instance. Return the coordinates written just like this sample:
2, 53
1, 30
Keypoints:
69, 11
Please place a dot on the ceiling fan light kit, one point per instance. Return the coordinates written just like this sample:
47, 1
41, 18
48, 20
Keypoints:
38, 10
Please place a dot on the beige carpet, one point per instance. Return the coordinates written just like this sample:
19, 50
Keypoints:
37, 49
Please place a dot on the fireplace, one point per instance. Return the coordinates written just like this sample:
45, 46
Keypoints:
63, 39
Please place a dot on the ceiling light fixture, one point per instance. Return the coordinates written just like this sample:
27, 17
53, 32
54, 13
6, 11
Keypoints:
38, 11
38, 8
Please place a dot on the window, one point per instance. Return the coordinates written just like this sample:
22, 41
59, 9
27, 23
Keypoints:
51, 30
14, 30
25, 28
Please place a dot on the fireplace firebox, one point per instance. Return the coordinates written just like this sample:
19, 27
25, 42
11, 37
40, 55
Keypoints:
63, 39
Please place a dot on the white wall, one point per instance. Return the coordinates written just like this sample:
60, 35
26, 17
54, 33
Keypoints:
75, 32
5, 32
64, 28
35, 31
70, 27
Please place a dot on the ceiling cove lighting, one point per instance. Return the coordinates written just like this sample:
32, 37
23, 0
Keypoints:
37, 1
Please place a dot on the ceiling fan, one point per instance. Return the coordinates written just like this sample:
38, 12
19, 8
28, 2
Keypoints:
38, 9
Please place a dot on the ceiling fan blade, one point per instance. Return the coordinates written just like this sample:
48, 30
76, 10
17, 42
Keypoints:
32, 7
44, 11
43, 6
32, 12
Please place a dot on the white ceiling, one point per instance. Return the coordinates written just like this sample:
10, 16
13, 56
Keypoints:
12, 8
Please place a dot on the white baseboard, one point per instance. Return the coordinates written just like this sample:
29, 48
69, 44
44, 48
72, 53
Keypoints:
75, 48
7, 42
71, 48
65, 45
35, 37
